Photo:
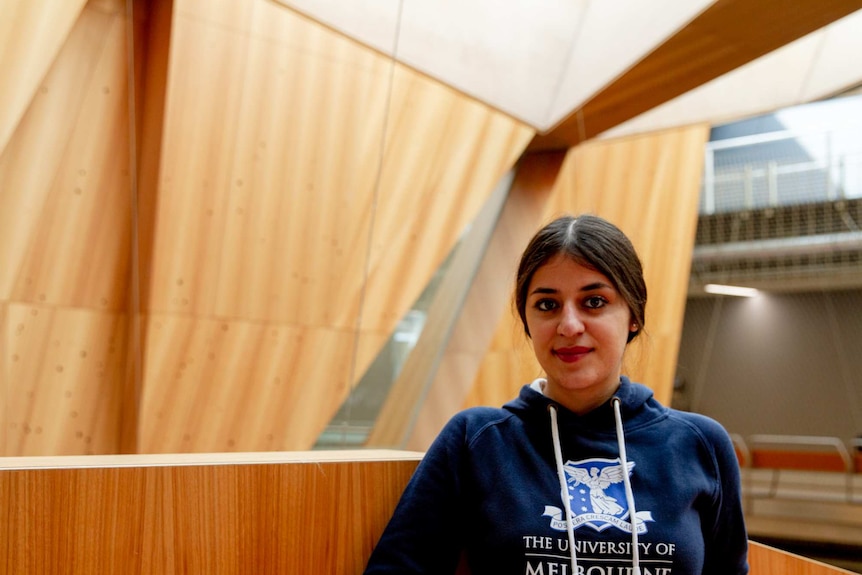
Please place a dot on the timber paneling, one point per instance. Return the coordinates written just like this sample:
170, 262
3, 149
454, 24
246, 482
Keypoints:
226, 514
406, 397
765, 560
63, 367
487, 297
65, 236
221, 384
289, 182
29, 43
309, 189
64, 206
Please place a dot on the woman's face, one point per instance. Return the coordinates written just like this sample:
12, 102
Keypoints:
579, 324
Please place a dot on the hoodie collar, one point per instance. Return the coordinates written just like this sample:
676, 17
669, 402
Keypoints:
531, 402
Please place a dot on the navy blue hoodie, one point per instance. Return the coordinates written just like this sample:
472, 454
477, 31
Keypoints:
489, 486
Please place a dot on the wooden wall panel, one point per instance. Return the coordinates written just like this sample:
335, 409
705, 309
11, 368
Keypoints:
64, 368
64, 202
508, 364
289, 180
263, 182
29, 43
308, 187
440, 167
65, 220
487, 297
648, 186
224, 384
133, 515
4, 377
279, 172
406, 396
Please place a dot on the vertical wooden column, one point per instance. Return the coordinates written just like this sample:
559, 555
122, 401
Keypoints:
149, 48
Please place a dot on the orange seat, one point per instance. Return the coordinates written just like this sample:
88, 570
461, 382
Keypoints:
801, 460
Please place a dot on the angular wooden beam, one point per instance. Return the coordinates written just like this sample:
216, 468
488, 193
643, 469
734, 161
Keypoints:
727, 35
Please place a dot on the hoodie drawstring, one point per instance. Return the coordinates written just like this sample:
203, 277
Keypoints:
564, 488
630, 498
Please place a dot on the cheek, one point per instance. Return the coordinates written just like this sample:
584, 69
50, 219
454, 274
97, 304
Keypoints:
618, 330
538, 331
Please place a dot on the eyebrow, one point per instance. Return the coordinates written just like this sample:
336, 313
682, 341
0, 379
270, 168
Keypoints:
589, 287
595, 286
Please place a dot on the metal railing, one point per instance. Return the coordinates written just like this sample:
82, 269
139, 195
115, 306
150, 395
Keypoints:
781, 168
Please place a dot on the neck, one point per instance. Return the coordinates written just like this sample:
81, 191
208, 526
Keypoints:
577, 401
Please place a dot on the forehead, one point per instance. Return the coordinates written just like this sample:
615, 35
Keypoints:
564, 272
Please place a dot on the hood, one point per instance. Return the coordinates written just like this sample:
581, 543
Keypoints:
637, 405
630, 407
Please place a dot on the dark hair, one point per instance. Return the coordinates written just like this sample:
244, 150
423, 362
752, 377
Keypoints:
592, 242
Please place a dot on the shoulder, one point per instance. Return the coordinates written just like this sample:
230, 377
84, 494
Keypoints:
471, 423
702, 424
461, 433
709, 432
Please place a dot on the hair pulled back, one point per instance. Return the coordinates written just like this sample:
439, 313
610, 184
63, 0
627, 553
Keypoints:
594, 243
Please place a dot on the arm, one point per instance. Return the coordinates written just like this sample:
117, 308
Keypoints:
725, 535
425, 533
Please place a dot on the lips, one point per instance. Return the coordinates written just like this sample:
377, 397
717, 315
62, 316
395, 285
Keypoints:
572, 354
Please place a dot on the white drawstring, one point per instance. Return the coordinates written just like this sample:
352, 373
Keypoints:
630, 498
564, 488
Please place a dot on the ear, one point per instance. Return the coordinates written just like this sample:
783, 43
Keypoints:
634, 329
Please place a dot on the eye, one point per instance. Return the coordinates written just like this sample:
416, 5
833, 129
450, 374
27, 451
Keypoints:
546, 305
595, 302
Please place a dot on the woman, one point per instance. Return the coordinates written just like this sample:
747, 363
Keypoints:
585, 472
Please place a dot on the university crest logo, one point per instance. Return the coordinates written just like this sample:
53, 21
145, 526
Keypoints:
597, 497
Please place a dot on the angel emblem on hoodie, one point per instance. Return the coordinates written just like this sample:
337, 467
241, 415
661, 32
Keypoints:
597, 497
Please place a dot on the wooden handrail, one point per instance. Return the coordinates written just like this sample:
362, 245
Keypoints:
306, 512
765, 560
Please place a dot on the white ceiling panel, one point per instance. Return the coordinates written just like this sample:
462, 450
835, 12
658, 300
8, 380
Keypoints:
370, 22
536, 60
510, 55
812, 67
614, 36
539, 60
836, 67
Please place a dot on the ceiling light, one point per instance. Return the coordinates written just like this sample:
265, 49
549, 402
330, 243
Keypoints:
730, 290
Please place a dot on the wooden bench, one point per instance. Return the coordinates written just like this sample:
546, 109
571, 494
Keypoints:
801, 453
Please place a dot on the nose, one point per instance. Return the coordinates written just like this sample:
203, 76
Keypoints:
570, 322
